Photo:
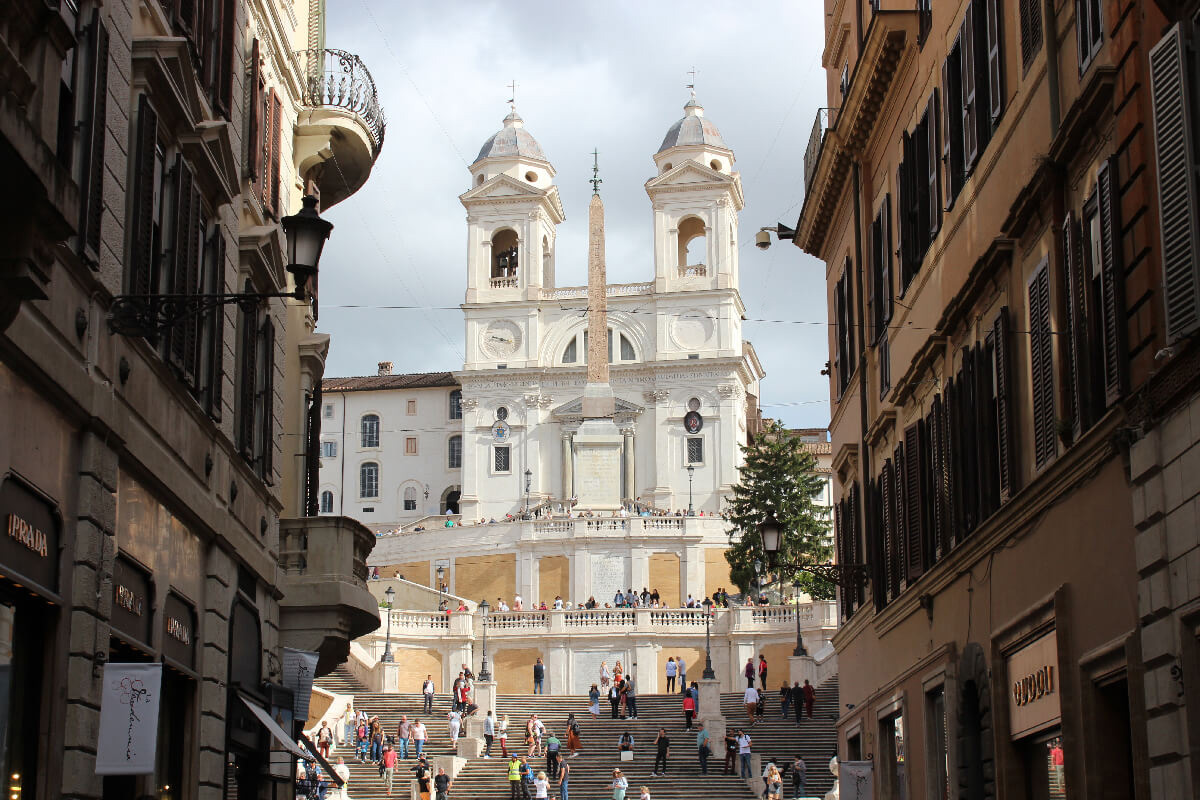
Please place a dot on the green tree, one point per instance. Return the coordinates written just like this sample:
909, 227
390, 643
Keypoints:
779, 475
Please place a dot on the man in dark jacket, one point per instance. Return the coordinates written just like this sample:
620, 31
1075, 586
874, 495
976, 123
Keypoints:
539, 677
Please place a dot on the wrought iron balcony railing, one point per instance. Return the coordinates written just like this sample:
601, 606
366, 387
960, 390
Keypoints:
812, 154
337, 79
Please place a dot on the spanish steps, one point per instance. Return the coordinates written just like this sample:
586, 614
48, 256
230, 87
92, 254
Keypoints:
591, 770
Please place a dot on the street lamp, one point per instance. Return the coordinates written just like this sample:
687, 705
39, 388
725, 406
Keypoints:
708, 673
388, 658
691, 473
441, 577
771, 532
528, 483
758, 579
484, 673
153, 313
799, 651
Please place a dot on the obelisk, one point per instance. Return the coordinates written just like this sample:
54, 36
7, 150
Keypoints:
597, 396
597, 445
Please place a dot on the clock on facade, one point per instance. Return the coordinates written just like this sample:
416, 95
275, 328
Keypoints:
500, 338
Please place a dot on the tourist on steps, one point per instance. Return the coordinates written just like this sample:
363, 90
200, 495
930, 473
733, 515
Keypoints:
594, 702
810, 697
419, 734
574, 743
762, 671
388, 763
670, 674
682, 665
539, 677
689, 711
799, 774
744, 742
564, 770
442, 784
489, 733
630, 698
402, 734
552, 747
504, 737
427, 690
614, 699
619, 785
731, 752
749, 671
750, 699
625, 742
541, 786
605, 677
662, 750
515, 789
702, 748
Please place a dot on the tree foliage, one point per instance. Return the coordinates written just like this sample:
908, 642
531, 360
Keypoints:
779, 475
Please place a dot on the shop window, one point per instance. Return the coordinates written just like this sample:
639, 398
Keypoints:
936, 745
22, 655
1045, 767
892, 764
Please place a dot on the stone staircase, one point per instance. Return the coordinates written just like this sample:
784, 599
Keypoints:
591, 770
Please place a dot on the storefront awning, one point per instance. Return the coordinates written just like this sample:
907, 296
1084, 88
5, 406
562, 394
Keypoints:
273, 727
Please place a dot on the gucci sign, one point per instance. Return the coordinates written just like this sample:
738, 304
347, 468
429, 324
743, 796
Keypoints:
1034, 686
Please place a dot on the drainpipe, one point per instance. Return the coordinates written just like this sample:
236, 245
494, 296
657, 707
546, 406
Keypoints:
342, 453
1051, 38
864, 461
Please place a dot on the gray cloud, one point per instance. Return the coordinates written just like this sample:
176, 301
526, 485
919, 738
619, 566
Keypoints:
589, 75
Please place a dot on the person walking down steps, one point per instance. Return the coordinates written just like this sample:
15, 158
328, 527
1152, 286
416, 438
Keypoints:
539, 677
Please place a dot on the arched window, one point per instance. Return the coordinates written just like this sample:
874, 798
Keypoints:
456, 404
693, 245
370, 430
627, 353
570, 356
410, 498
504, 254
368, 480
327, 502
454, 453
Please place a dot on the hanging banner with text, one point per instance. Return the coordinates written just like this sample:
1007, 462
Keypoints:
128, 719
299, 669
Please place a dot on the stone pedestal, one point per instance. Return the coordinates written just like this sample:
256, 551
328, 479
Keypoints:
801, 669
485, 698
598, 464
710, 699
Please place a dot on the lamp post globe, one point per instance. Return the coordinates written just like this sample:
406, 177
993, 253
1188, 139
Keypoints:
306, 233
771, 533
484, 673
708, 674
389, 597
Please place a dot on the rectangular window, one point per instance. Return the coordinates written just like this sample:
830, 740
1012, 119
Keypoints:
843, 355
1089, 31
256, 391
883, 353
924, 20
368, 480
410, 408
881, 270
695, 449
501, 458
456, 404
920, 208
410, 445
326, 502
369, 433
328, 411
936, 744
328, 449
454, 453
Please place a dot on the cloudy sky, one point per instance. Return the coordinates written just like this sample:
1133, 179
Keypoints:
608, 75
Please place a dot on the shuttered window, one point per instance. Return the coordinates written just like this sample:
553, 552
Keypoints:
970, 106
972, 91
881, 301
1005, 422
920, 208
952, 140
183, 265
91, 145
995, 63
273, 167
913, 502
1112, 283
884, 355
1041, 365
924, 20
844, 355
266, 192
1031, 30
144, 201
255, 114
1076, 346
890, 550
1171, 61
256, 390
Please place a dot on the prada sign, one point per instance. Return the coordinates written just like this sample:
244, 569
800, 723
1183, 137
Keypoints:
30, 536
132, 602
179, 630
1033, 702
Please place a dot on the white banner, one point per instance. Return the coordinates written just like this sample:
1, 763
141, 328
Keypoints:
854, 780
299, 669
128, 719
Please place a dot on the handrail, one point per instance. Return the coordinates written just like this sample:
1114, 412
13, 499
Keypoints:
337, 79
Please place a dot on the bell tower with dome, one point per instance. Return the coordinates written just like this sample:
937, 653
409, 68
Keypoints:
513, 211
696, 196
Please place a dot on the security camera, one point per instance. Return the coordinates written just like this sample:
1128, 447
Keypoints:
762, 239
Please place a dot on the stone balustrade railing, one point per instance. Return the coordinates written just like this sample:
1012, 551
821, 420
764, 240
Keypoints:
618, 526
605, 621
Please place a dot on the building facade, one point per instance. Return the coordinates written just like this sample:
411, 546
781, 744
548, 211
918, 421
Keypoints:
153, 149
982, 190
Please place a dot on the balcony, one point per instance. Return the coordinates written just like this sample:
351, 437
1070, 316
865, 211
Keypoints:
341, 126
826, 117
323, 577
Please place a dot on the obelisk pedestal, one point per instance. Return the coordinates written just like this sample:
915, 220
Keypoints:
598, 442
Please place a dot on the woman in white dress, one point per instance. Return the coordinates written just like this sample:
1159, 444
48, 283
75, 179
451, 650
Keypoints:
605, 676
504, 736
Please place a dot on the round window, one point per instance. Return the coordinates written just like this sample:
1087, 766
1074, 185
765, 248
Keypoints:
715, 165
694, 404
502, 413
531, 177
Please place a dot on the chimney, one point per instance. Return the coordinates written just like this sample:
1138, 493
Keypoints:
385, 368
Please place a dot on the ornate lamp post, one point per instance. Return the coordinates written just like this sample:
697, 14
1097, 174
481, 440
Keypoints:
528, 483
387, 657
799, 651
151, 314
441, 577
708, 673
484, 673
691, 473
758, 576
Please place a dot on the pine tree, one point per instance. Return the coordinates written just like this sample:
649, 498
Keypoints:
778, 475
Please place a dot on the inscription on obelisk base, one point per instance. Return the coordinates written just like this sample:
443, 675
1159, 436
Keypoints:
598, 442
